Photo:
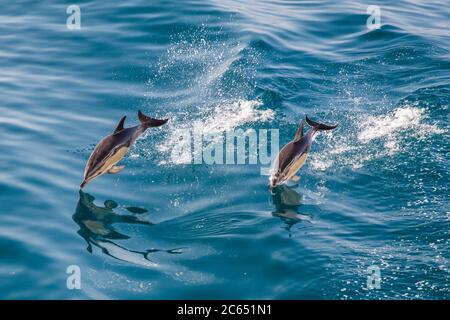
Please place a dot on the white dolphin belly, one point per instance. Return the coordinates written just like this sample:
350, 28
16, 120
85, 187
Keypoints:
296, 166
111, 161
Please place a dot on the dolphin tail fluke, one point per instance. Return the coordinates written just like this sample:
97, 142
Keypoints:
150, 122
319, 126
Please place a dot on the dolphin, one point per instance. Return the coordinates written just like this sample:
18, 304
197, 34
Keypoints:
111, 149
293, 155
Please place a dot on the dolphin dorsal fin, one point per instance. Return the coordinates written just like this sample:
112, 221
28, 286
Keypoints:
119, 126
299, 132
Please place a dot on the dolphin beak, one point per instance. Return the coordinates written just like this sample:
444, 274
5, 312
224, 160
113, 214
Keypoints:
271, 190
83, 184
272, 182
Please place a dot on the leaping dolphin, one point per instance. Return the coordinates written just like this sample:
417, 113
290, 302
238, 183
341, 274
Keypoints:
111, 149
293, 155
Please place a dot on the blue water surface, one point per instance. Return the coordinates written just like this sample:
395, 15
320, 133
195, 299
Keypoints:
373, 194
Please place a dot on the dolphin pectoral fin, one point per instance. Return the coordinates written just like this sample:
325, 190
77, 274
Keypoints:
115, 169
295, 179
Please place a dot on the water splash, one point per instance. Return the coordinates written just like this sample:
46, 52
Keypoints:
392, 125
209, 78
220, 119
376, 137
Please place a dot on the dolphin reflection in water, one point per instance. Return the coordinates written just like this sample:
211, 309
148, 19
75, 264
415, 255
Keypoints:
287, 203
96, 227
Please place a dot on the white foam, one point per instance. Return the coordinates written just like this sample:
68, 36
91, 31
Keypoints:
391, 127
402, 118
230, 116
391, 130
321, 164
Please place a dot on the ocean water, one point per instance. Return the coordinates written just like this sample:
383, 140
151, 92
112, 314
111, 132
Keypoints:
373, 194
